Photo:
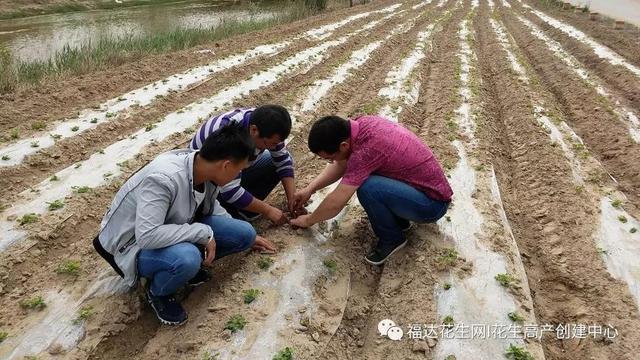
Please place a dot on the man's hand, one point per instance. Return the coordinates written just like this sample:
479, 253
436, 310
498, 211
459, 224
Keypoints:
303, 221
209, 252
276, 216
264, 245
300, 198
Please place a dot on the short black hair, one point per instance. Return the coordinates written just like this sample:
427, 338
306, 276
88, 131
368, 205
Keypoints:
327, 133
271, 120
228, 142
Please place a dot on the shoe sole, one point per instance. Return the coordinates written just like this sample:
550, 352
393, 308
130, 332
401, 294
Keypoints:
388, 256
163, 321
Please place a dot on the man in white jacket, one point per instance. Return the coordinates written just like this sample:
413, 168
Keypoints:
167, 212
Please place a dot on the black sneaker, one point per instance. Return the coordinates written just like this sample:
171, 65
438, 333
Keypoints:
201, 277
168, 310
378, 255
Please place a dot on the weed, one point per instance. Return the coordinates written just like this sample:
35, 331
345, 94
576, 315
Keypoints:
81, 189
447, 321
28, 218
69, 267
101, 151
447, 218
284, 354
235, 323
331, 265
84, 313
33, 303
250, 295
602, 250
518, 353
38, 125
505, 279
265, 262
55, 205
622, 219
515, 317
123, 163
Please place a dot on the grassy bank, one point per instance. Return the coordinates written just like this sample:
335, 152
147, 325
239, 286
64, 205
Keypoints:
112, 52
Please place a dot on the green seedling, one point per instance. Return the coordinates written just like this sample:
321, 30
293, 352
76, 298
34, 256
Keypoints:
106, 175
94, 120
101, 151
447, 321
235, 323
250, 295
447, 218
331, 265
518, 353
55, 136
77, 166
84, 313
210, 356
633, 230
446, 286
265, 262
38, 125
33, 303
505, 279
55, 205
602, 250
69, 267
81, 189
122, 98
14, 134
5, 157
448, 257
75, 128
110, 115
616, 203
284, 354
150, 127
3, 336
35, 144
28, 218
515, 317
123, 163
450, 357
623, 219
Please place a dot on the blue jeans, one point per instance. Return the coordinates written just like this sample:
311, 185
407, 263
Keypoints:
391, 204
171, 267
259, 180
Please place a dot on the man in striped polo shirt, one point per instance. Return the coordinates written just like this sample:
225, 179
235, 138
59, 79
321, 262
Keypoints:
269, 126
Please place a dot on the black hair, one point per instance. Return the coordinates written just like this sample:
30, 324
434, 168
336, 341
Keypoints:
228, 142
271, 120
327, 133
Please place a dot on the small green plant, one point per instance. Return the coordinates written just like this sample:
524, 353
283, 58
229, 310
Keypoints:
81, 189
33, 303
150, 127
122, 98
515, 317
448, 257
447, 321
94, 120
14, 134
446, 286
265, 262
107, 175
602, 250
616, 203
123, 163
447, 218
505, 279
450, 357
5, 157
69, 267
284, 354
3, 336
75, 128
101, 151
518, 353
207, 355
28, 218
35, 144
55, 136
84, 313
633, 230
110, 115
623, 219
55, 205
331, 265
235, 323
250, 295
39, 125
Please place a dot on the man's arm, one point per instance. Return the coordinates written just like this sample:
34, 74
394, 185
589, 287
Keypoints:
330, 174
329, 207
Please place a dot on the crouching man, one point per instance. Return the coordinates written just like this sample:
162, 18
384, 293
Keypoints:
166, 213
396, 176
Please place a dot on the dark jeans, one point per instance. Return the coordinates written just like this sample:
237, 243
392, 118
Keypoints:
259, 180
391, 204
171, 267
